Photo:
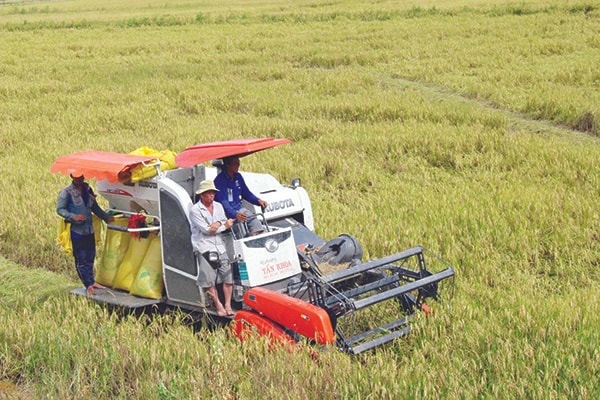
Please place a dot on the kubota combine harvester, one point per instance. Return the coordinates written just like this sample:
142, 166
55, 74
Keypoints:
289, 283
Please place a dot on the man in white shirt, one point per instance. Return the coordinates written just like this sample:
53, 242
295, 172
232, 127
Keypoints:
208, 221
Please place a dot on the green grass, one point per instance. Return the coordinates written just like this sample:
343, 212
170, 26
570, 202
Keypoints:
468, 127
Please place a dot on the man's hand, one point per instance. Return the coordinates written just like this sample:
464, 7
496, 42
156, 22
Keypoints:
262, 203
240, 216
212, 228
79, 218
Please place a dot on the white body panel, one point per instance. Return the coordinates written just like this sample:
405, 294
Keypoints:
267, 258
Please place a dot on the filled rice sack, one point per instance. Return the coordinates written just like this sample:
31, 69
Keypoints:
115, 248
148, 282
131, 262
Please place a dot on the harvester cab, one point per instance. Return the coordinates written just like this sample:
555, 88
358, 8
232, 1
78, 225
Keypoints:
289, 283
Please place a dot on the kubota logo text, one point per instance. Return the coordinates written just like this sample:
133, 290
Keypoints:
280, 205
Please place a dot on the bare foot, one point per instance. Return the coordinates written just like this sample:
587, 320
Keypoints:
221, 312
229, 311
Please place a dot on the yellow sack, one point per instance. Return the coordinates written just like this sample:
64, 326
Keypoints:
149, 282
166, 158
97, 223
131, 262
64, 236
63, 239
115, 247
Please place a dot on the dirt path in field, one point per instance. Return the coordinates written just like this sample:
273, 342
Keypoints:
517, 121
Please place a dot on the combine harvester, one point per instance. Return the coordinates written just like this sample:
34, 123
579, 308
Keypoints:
289, 283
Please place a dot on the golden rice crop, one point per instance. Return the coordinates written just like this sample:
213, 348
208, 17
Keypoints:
470, 128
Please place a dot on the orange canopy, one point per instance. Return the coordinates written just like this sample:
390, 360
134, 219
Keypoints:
212, 151
100, 165
105, 165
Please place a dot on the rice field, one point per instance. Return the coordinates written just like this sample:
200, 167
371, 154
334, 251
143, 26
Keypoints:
468, 127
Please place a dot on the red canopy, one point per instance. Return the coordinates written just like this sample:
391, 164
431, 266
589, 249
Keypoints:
101, 165
212, 151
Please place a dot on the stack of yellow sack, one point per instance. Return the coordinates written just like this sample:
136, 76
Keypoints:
166, 158
132, 264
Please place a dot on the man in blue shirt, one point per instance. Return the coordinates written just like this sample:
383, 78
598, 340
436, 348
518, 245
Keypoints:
75, 204
232, 189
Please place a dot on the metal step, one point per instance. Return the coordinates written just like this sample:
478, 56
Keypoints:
116, 297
